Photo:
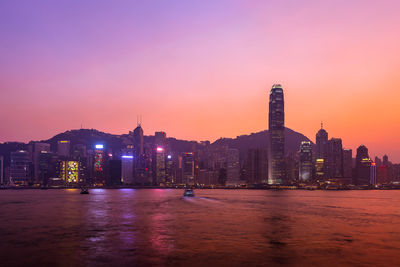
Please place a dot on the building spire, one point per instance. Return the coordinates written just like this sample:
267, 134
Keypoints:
322, 125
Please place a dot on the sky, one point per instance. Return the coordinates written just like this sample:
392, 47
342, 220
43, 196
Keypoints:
201, 70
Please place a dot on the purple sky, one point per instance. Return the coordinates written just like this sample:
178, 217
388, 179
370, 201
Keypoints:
201, 69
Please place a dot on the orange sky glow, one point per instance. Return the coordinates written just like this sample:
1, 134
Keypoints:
202, 70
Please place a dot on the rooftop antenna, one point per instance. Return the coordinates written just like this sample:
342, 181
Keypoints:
322, 125
140, 120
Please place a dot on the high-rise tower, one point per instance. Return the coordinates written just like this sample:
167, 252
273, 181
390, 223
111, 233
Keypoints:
305, 162
138, 141
276, 129
322, 143
363, 164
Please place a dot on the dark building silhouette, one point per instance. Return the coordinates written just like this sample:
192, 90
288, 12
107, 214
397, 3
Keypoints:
257, 166
139, 158
321, 139
46, 167
2, 180
188, 168
347, 163
363, 164
335, 158
277, 136
114, 172
138, 141
20, 168
160, 139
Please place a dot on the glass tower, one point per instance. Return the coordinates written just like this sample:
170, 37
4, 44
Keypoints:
276, 170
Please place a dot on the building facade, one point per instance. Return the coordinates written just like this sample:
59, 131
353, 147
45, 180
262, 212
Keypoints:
276, 126
305, 162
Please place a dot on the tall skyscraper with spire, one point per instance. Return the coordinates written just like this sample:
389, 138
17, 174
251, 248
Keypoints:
138, 158
276, 127
138, 140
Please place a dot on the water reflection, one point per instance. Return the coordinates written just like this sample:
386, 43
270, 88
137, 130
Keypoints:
216, 228
278, 229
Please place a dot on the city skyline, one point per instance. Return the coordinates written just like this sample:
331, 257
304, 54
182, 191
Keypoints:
70, 64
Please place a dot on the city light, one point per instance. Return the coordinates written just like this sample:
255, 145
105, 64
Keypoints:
99, 146
169, 157
127, 157
160, 149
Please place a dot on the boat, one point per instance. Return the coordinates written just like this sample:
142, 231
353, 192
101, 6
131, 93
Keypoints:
188, 193
84, 191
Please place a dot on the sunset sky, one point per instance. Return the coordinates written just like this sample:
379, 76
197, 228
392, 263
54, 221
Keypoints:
201, 70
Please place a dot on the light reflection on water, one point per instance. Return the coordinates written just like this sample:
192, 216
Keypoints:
217, 227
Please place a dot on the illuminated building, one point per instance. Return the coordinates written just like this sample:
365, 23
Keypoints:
159, 166
321, 152
347, 163
69, 171
363, 161
373, 173
334, 158
63, 148
305, 162
188, 168
127, 169
99, 155
232, 167
20, 168
364, 177
257, 166
170, 169
319, 169
277, 136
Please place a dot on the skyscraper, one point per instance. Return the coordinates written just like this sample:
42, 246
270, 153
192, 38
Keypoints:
138, 159
321, 139
37, 148
305, 164
158, 168
335, 158
188, 168
363, 163
160, 139
138, 141
99, 173
277, 136
347, 163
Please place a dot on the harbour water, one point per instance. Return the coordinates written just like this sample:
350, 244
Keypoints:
160, 227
